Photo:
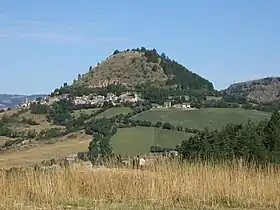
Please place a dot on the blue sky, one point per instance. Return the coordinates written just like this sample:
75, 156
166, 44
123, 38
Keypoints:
46, 43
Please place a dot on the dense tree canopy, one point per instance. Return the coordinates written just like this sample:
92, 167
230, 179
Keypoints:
182, 76
251, 141
60, 112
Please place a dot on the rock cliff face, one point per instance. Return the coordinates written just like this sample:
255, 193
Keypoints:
265, 90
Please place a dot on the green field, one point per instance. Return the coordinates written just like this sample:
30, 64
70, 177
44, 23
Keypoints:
77, 113
114, 111
137, 140
205, 117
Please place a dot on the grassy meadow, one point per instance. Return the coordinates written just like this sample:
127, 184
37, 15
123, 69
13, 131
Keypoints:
206, 117
77, 113
137, 140
114, 111
65, 146
127, 141
164, 186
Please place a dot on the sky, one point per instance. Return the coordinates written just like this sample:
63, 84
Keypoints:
46, 43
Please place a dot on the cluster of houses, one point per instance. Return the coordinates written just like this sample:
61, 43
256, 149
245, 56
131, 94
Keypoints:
94, 99
114, 99
183, 106
171, 103
90, 99
28, 103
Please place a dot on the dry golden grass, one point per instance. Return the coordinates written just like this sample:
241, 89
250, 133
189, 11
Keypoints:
165, 186
66, 145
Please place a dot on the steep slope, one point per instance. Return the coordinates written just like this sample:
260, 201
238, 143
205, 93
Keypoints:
127, 68
265, 90
136, 66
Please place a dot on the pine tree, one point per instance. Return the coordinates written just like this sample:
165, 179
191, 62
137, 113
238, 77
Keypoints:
105, 147
272, 131
99, 149
116, 52
94, 149
272, 135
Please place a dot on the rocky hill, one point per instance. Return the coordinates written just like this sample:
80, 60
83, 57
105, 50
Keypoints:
129, 68
265, 90
137, 66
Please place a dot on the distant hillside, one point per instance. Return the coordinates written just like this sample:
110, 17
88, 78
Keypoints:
137, 66
12, 100
265, 90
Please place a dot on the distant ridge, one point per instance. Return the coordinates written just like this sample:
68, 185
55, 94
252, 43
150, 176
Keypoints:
13, 100
264, 90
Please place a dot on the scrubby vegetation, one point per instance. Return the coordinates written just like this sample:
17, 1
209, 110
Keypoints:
7, 120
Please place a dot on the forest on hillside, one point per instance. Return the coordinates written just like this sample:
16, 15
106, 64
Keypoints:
182, 76
256, 142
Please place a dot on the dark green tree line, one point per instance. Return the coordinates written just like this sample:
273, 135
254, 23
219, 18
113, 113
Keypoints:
254, 142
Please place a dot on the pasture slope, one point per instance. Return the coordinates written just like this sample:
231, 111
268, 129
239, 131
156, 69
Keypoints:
168, 185
127, 141
212, 118
40, 119
64, 146
77, 113
130, 141
114, 111
138, 140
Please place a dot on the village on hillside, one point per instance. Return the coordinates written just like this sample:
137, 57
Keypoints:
91, 99
99, 100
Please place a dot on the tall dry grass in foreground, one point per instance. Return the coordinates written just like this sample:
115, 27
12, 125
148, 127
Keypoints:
165, 186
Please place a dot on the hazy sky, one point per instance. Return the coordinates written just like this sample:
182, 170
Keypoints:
46, 43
